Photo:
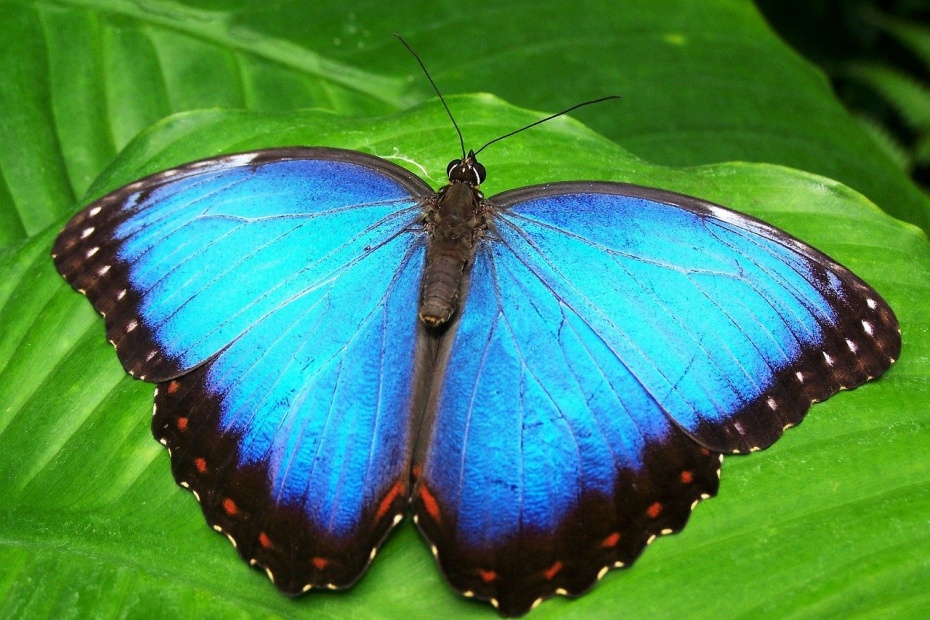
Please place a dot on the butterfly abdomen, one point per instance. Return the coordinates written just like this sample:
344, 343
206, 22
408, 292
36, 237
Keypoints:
454, 225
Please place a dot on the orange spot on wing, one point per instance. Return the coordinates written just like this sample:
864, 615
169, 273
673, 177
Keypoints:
686, 477
385, 504
264, 541
416, 470
611, 541
429, 502
230, 507
182, 424
173, 387
705, 451
320, 563
487, 576
553, 570
654, 510
201, 465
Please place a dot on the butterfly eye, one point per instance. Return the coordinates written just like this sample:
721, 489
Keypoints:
480, 172
455, 163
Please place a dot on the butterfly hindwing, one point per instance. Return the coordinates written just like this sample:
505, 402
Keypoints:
527, 488
275, 290
613, 341
296, 437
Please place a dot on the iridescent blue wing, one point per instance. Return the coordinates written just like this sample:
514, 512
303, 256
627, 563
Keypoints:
272, 295
614, 341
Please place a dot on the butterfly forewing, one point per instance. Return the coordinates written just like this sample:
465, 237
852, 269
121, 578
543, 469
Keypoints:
183, 262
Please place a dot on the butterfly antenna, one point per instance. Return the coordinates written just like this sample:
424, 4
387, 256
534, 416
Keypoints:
548, 118
436, 88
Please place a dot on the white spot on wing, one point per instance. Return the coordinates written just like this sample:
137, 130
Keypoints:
868, 328
87, 232
103, 270
871, 303
121, 294
603, 571
800, 376
94, 211
726, 215
852, 345
241, 159
91, 252
829, 359
131, 325
772, 404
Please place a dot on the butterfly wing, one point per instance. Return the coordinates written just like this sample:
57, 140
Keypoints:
273, 297
182, 262
613, 341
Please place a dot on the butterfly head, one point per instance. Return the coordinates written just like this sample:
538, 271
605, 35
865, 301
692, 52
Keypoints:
466, 170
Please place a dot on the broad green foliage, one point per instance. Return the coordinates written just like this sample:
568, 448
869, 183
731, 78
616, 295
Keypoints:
831, 520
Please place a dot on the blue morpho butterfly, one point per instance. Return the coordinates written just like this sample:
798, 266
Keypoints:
546, 378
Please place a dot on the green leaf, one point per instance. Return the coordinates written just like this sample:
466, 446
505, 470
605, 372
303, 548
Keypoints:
81, 79
702, 82
830, 521
886, 141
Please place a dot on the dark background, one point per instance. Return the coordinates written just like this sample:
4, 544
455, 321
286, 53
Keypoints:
877, 55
